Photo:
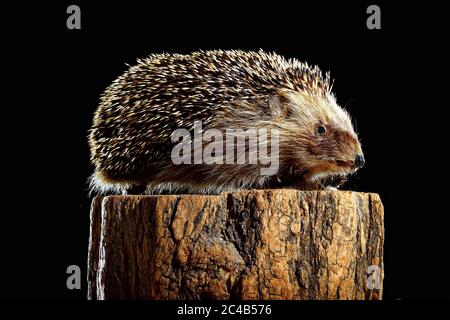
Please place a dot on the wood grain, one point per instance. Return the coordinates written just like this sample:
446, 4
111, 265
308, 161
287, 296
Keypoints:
256, 244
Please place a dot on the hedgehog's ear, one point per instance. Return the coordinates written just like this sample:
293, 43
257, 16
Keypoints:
280, 106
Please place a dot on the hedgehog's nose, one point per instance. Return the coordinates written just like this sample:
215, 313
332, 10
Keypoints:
359, 161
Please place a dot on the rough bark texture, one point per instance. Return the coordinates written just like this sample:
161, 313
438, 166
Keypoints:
256, 244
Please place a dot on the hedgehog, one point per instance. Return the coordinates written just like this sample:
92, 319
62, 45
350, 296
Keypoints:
131, 138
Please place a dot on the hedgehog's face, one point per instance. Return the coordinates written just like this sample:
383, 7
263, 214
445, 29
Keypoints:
333, 152
327, 148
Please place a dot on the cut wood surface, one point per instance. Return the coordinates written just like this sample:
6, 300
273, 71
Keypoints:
255, 244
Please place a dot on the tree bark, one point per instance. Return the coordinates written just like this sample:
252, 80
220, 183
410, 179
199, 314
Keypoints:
255, 244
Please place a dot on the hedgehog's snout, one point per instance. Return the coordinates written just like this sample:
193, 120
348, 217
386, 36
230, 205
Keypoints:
359, 161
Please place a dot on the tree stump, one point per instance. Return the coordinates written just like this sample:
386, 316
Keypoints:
254, 244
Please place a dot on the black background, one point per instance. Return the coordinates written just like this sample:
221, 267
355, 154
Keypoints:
393, 81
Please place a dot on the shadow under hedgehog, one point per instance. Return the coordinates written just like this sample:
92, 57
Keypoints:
130, 139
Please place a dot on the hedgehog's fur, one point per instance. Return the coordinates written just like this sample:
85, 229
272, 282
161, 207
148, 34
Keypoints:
130, 137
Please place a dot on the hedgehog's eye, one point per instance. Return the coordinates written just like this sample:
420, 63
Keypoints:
321, 130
